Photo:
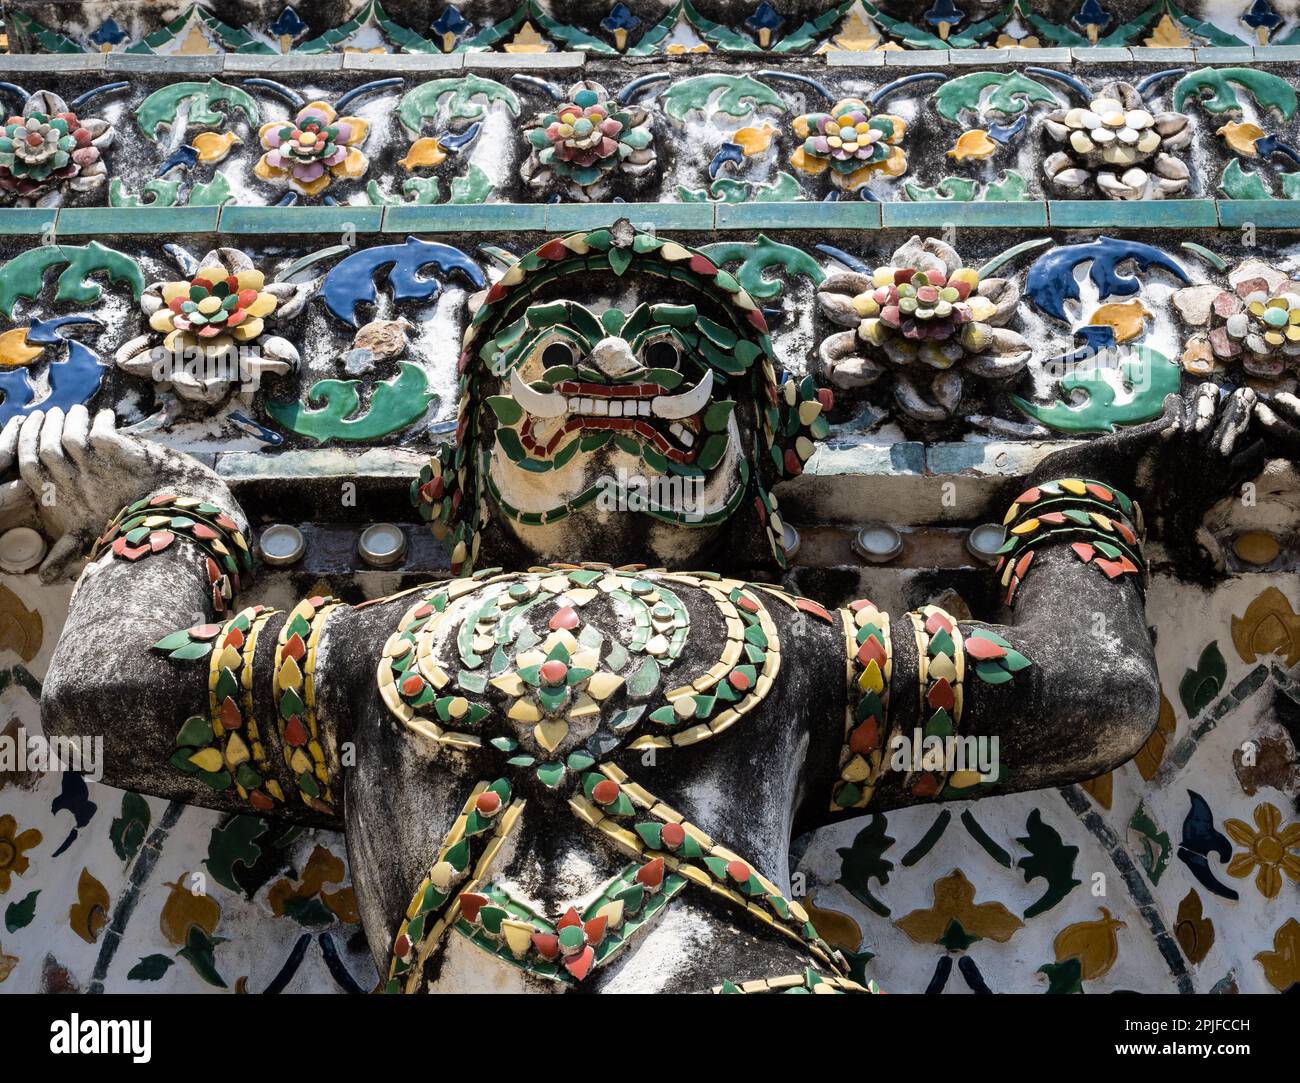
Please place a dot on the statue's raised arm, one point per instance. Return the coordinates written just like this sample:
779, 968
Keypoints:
194, 698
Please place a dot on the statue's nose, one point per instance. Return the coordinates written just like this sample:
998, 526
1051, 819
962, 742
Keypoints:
613, 357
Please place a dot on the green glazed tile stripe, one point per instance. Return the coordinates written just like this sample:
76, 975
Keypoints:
1270, 213
566, 217
842, 214
473, 218
258, 220
956, 213
1134, 214
24, 220
665, 217
101, 220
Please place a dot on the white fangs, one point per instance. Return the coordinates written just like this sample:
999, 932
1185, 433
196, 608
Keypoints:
687, 403
536, 402
670, 407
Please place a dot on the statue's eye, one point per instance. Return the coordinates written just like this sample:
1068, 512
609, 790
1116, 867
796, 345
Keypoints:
557, 353
662, 354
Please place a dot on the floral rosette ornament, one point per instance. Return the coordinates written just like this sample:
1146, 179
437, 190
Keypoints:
927, 320
1255, 323
308, 153
48, 148
585, 141
851, 143
1120, 145
213, 326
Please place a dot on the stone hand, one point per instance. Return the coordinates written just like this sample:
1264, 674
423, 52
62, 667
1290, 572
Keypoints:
1177, 466
1210, 428
17, 507
79, 473
1279, 418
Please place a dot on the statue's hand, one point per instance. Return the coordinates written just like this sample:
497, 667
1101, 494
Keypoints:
79, 474
1279, 420
1208, 427
1178, 466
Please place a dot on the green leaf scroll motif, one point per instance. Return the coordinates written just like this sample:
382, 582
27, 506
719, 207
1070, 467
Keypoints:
1013, 93
162, 107
865, 861
161, 193
1269, 91
782, 189
149, 968
1199, 686
739, 96
1148, 377
1048, 859
756, 257
24, 275
18, 915
199, 953
127, 832
394, 404
215, 193
471, 96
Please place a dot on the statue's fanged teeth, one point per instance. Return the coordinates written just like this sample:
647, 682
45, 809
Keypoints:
536, 402
687, 403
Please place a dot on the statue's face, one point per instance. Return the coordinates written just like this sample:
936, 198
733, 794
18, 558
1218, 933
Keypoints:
631, 415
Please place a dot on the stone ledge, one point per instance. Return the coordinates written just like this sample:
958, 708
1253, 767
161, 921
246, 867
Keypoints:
1244, 54
256, 64
525, 61
52, 62
1100, 55
403, 61
846, 481
142, 63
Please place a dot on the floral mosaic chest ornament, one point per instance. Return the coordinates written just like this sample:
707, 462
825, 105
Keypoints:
586, 141
209, 330
850, 142
48, 149
1255, 324
308, 153
1117, 144
926, 321
553, 671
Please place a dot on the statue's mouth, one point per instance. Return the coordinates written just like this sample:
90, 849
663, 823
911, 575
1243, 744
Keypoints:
668, 421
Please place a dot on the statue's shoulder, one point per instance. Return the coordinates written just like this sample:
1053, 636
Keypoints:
538, 662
